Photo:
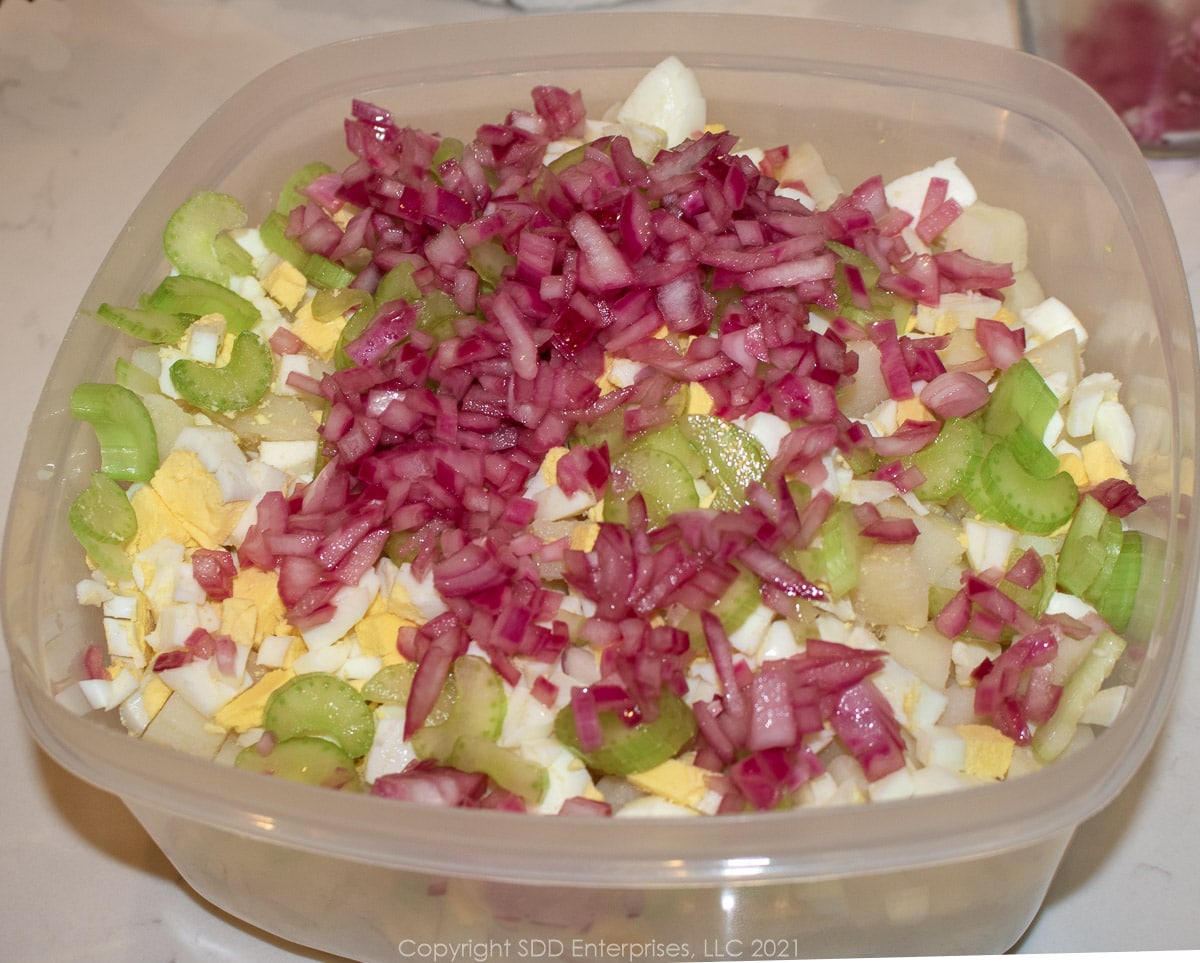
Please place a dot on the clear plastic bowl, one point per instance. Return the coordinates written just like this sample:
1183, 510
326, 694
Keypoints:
958, 873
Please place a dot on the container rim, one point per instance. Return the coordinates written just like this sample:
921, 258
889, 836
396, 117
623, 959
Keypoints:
821, 843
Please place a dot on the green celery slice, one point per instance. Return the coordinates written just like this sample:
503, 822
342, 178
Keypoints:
392, 684
325, 273
146, 322
322, 705
124, 429
477, 712
1116, 602
1021, 397
237, 385
733, 456
950, 460
272, 231
632, 748
189, 239
662, 479
306, 759
102, 521
1087, 546
180, 294
290, 197
1022, 500
1053, 737
505, 766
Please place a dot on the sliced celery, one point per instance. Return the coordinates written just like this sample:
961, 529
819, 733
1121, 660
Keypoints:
505, 766
837, 557
338, 302
102, 521
477, 712
632, 748
1087, 547
323, 705
950, 460
1116, 603
1053, 737
273, 232
489, 259
1021, 499
180, 294
739, 601
324, 273
392, 684
290, 197
306, 759
1021, 397
237, 385
189, 238
663, 481
124, 429
148, 323
734, 457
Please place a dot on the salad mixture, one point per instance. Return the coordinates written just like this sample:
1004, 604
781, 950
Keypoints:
608, 466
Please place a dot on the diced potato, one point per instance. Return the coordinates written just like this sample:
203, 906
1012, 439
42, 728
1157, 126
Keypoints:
893, 588
991, 233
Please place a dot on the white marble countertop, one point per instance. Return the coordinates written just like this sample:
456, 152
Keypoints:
95, 98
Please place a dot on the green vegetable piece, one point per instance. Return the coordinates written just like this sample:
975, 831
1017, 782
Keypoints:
1092, 542
337, 302
1021, 397
398, 285
138, 380
632, 748
734, 458
437, 314
489, 259
392, 684
324, 706
237, 385
1021, 499
477, 712
145, 322
273, 232
325, 273
180, 294
1032, 452
450, 149
739, 601
505, 766
1115, 604
290, 197
128, 444
102, 521
950, 460
1053, 737
307, 759
671, 440
837, 558
233, 257
189, 238
663, 481
353, 327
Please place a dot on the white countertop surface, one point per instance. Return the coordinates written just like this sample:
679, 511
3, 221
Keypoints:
95, 98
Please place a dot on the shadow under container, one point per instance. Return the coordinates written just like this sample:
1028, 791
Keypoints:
375, 879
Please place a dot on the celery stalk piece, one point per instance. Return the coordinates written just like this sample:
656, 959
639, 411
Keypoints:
1053, 737
240, 383
321, 705
290, 197
1021, 397
733, 456
146, 322
306, 759
1021, 499
102, 521
189, 238
477, 711
273, 232
182, 295
632, 748
124, 429
949, 460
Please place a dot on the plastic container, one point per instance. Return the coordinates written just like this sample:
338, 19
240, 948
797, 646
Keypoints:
373, 879
1142, 56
